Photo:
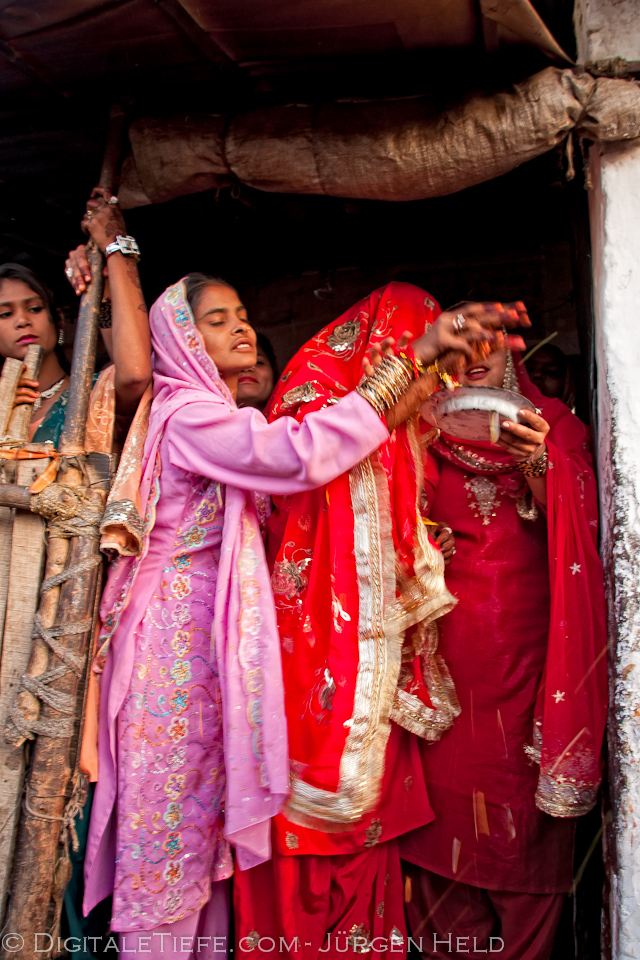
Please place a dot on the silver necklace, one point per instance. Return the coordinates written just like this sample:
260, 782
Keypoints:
48, 393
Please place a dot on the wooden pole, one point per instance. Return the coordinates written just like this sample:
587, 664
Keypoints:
27, 548
12, 370
39, 880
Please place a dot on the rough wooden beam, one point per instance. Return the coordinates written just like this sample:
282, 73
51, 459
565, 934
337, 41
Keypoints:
198, 37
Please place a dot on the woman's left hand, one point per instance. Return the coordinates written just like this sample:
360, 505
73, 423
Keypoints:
524, 440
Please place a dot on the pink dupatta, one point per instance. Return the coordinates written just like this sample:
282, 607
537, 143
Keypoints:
248, 658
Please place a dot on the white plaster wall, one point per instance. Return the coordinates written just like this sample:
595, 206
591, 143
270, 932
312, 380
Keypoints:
607, 28
615, 227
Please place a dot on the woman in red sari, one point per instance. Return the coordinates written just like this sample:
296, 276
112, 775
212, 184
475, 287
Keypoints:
358, 586
526, 647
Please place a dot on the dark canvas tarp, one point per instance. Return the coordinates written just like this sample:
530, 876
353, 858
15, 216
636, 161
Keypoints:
383, 150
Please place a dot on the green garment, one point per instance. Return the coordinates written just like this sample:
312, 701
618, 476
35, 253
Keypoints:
51, 426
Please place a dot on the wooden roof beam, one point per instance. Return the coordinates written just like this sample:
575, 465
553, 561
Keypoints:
199, 37
33, 73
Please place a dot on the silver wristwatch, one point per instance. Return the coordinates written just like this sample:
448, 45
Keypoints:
124, 245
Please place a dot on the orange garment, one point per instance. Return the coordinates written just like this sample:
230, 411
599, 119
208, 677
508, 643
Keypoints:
99, 434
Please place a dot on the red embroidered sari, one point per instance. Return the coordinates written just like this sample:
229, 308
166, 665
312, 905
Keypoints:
358, 586
526, 647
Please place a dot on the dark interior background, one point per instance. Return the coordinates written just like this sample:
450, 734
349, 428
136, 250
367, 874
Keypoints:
298, 262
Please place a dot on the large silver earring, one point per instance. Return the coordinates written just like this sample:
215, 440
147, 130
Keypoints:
61, 337
510, 381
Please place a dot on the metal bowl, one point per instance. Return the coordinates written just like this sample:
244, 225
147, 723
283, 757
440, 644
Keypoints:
474, 413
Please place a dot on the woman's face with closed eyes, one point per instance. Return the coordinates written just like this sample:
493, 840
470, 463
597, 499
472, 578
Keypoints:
228, 337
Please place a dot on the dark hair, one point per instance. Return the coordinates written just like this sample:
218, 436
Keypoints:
196, 283
556, 353
265, 345
15, 271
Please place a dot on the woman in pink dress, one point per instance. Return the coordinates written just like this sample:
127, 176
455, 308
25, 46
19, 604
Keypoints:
192, 732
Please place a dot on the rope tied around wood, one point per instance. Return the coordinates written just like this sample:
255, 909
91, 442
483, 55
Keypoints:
73, 811
19, 727
71, 512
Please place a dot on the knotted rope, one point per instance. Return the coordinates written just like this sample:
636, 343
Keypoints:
71, 513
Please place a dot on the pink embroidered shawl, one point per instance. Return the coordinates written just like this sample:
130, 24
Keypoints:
249, 665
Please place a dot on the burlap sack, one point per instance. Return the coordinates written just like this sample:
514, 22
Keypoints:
390, 150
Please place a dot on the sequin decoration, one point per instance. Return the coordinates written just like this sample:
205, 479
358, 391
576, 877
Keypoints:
343, 336
359, 939
289, 578
483, 496
305, 393
373, 833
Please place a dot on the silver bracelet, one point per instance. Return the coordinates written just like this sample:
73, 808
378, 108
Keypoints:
127, 246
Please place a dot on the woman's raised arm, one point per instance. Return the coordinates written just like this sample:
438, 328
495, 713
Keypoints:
128, 340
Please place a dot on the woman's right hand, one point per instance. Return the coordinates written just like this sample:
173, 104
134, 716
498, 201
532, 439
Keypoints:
446, 540
457, 334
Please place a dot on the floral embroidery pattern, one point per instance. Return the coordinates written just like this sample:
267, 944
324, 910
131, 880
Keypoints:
170, 731
173, 844
181, 586
181, 317
173, 873
178, 729
172, 901
289, 578
319, 701
181, 672
173, 815
344, 336
174, 787
194, 536
176, 758
180, 701
181, 644
173, 294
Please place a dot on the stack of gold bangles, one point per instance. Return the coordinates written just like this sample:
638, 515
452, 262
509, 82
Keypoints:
390, 380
